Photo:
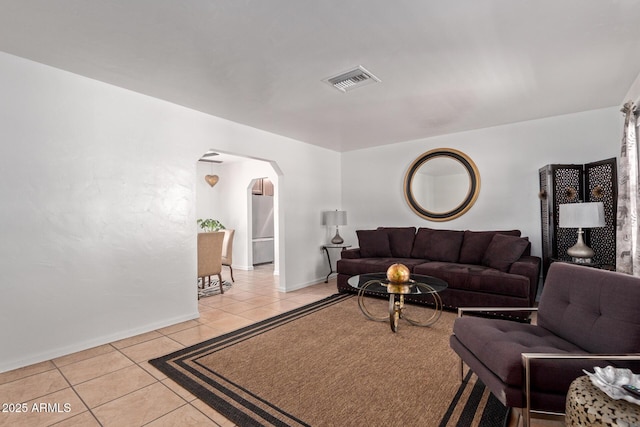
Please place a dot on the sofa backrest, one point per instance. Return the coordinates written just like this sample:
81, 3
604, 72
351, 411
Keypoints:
437, 245
597, 310
475, 244
400, 240
466, 247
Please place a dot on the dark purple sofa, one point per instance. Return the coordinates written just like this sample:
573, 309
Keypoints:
482, 268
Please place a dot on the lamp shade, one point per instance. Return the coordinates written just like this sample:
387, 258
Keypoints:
335, 218
582, 215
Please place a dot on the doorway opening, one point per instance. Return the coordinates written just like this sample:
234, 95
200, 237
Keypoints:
227, 185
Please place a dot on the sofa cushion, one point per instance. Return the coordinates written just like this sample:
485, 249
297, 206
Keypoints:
475, 244
352, 267
437, 245
476, 278
400, 240
499, 343
373, 243
504, 251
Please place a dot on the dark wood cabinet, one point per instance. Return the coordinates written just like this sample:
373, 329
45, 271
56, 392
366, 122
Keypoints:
591, 182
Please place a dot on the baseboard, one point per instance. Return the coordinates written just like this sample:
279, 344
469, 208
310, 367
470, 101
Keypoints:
305, 285
84, 345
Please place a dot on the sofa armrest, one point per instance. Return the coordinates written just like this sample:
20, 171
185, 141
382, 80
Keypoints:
353, 253
528, 266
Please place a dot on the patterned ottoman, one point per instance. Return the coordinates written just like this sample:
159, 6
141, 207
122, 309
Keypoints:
587, 405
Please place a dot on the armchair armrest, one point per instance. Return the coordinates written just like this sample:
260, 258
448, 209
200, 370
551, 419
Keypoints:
526, 361
462, 310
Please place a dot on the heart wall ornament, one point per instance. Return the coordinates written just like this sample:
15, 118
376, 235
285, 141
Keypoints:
211, 179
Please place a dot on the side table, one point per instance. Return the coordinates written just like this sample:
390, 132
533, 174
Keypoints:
326, 250
587, 405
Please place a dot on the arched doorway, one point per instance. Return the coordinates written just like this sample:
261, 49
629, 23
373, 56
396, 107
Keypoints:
229, 201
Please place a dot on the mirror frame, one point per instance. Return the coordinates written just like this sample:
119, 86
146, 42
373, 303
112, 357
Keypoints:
464, 206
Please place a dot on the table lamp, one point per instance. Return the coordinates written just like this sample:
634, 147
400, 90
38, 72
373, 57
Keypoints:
336, 218
581, 215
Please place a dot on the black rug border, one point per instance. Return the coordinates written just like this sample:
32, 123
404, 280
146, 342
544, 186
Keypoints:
495, 414
263, 324
492, 409
214, 344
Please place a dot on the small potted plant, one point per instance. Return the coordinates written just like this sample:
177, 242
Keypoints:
210, 225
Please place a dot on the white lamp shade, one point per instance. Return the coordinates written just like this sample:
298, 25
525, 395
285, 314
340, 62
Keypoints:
335, 218
582, 215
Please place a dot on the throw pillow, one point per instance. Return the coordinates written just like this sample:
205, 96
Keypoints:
504, 251
373, 243
400, 240
437, 245
475, 244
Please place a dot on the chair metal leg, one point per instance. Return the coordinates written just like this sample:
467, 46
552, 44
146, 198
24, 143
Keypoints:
526, 417
220, 282
231, 271
526, 411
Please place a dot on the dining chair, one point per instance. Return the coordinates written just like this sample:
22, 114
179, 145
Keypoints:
227, 250
210, 257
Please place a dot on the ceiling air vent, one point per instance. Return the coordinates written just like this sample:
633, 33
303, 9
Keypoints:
352, 79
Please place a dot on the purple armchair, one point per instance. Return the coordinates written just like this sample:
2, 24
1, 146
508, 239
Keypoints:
586, 317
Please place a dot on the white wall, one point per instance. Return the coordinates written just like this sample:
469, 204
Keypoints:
508, 158
98, 213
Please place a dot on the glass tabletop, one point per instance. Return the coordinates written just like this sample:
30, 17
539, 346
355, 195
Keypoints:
378, 282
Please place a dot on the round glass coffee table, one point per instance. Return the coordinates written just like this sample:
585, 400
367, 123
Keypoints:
378, 284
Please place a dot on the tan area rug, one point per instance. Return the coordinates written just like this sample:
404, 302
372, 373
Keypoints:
325, 364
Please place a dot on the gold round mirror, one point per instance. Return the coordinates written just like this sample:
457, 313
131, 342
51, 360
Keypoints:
442, 184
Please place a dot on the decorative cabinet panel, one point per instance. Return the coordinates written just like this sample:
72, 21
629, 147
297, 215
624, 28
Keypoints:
601, 185
560, 184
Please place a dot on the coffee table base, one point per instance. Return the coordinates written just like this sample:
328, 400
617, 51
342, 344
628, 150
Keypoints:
396, 307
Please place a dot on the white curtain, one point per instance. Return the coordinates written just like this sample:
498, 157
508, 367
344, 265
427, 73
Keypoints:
627, 233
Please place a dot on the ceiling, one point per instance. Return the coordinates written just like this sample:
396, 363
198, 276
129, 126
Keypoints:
444, 66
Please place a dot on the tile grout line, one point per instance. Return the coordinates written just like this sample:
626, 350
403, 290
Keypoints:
79, 397
186, 403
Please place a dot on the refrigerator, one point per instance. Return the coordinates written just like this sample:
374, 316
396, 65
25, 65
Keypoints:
262, 229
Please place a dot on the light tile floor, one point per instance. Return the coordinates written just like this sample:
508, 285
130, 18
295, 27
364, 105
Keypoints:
114, 385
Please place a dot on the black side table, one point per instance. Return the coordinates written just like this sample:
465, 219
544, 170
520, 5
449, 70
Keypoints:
326, 250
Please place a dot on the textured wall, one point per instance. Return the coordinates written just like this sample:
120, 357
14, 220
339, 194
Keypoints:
98, 214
